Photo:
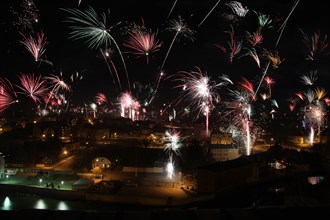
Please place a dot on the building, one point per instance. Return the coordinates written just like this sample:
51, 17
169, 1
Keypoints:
223, 152
218, 138
220, 176
101, 163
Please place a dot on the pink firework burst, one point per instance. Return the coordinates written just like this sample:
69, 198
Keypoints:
255, 38
36, 46
269, 81
100, 98
142, 41
58, 83
33, 86
7, 94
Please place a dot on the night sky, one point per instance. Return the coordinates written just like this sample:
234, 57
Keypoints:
69, 56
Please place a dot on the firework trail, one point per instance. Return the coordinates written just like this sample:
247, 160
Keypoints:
107, 56
33, 86
279, 37
216, 4
88, 26
169, 14
181, 28
7, 94
285, 21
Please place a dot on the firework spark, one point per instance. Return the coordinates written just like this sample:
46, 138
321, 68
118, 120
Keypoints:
26, 15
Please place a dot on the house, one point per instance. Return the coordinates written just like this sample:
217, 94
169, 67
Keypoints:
101, 163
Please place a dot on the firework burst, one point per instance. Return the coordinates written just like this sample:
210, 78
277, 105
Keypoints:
36, 46
309, 79
26, 15
234, 45
7, 94
142, 42
33, 86
239, 113
316, 46
237, 8
180, 27
93, 29
172, 141
199, 90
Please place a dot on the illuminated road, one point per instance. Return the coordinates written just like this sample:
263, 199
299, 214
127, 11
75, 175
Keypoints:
65, 164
